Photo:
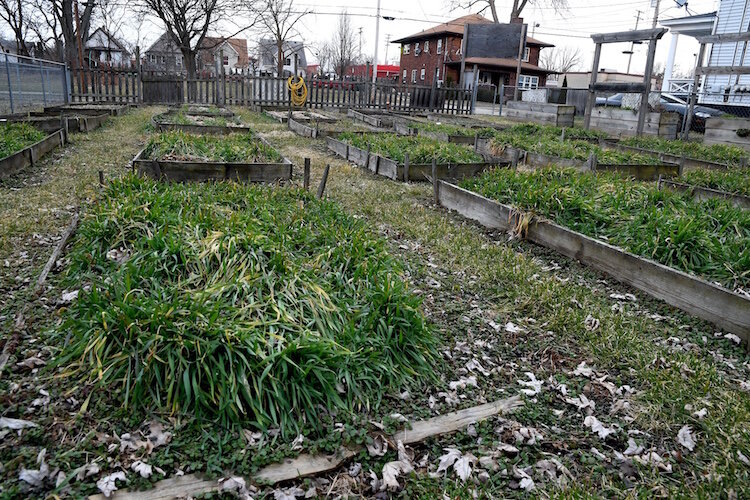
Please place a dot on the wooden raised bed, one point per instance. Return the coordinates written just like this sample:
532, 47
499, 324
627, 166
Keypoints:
30, 155
731, 131
686, 162
69, 123
375, 119
195, 171
299, 116
701, 193
708, 301
406, 171
618, 122
88, 109
194, 128
316, 132
559, 115
539, 160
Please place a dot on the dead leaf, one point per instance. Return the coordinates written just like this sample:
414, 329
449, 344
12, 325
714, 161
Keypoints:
685, 437
534, 385
15, 423
142, 468
597, 427
378, 447
108, 484
448, 459
462, 466
633, 448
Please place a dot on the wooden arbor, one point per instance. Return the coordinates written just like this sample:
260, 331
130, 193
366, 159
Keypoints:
652, 35
701, 70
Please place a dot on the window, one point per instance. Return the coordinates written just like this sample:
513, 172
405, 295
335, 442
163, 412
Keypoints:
421, 74
287, 62
440, 46
404, 75
406, 48
225, 61
527, 82
437, 73
427, 46
414, 76
525, 55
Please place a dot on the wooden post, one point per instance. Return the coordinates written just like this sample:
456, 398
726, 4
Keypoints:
101, 177
138, 76
521, 46
591, 100
643, 111
514, 158
682, 166
658, 183
306, 175
562, 135
219, 67
591, 163
694, 91
406, 167
435, 188
323, 181
476, 142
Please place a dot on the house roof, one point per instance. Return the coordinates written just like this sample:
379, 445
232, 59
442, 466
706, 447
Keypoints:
502, 63
239, 45
456, 27
100, 34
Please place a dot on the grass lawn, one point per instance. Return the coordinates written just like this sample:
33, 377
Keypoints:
614, 383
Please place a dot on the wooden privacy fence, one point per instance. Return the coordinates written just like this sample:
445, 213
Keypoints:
130, 85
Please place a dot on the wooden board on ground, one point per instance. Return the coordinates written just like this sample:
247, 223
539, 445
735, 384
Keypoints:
687, 163
300, 116
164, 122
730, 131
68, 122
308, 465
694, 295
701, 193
29, 156
89, 109
624, 122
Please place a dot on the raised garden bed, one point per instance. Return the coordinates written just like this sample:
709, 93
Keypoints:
695, 237
729, 131
543, 146
315, 129
558, 115
207, 123
88, 109
409, 158
692, 155
701, 193
444, 132
374, 118
69, 122
299, 116
198, 110
624, 122
177, 156
22, 145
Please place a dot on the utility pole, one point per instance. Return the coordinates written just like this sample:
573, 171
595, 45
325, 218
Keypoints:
360, 44
632, 44
656, 13
387, 42
377, 35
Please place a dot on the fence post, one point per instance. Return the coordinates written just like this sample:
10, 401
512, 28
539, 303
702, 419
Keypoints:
10, 87
67, 90
44, 87
500, 102
475, 85
138, 76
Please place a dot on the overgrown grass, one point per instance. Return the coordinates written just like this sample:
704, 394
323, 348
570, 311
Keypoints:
452, 129
237, 148
16, 136
733, 180
184, 117
544, 139
238, 302
420, 149
720, 153
711, 239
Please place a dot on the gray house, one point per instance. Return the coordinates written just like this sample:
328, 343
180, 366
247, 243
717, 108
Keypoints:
268, 58
163, 55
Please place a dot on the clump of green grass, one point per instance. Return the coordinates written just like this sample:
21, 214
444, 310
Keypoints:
183, 117
710, 239
17, 136
545, 139
451, 129
719, 153
232, 148
238, 302
733, 180
420, 149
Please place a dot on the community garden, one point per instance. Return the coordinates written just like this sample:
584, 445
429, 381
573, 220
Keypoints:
215, 327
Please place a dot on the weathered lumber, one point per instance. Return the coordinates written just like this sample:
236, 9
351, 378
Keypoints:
308, 465
701, 193
724, 38
723, 70
688, 163
629, 36
632, 87
16, 162
693, 295
56, 253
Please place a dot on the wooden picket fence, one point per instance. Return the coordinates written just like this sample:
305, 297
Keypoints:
130, 85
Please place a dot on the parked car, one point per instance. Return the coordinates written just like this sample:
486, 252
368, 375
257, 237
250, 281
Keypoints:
670, 102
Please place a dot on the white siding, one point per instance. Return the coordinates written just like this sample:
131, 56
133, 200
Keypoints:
733, 17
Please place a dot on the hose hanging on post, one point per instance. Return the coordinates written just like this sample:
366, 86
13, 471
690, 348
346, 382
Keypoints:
298, 91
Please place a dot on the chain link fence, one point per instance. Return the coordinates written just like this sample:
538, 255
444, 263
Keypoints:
27, 83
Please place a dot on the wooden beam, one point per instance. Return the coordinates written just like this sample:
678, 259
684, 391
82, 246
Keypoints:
723, 70
631, 87
591, 101
629, 36
724, 38
643, 111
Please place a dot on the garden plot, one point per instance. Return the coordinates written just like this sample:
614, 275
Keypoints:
615, 225
22, 145
89, 109
200, 120
543, 146
300, 116
318, 129
445, 132
408, 158
250, 304
373, 118
178, 156
68, 121
693, 155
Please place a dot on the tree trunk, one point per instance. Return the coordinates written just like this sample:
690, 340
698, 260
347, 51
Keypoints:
280, 56
190, 67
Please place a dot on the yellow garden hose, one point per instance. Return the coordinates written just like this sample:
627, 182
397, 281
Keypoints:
299, 91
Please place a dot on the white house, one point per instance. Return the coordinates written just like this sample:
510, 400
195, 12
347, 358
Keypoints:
103, 48
294, 56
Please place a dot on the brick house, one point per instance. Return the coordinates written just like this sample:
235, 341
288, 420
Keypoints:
435, 55
165, 55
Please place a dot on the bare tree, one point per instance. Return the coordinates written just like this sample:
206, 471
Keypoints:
187, 23
344, 45
560, 59
16, 15
279, 18
516, 9
324, 55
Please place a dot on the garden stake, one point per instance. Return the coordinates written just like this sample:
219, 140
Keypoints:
323, 181
306, 175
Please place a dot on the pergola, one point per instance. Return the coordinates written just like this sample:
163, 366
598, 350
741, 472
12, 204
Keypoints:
693, 26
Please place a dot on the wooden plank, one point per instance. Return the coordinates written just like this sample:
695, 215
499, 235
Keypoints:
28, 156
629, 36
724, 38
309, 465
688, 163
701, 193
632, 87
56, 253
723, 70
696, 296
